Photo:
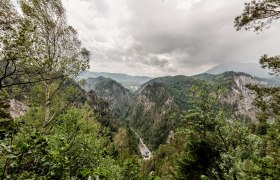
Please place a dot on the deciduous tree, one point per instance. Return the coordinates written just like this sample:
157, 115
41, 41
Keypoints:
59, 54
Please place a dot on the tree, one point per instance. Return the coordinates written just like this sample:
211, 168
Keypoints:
258, 15
58, 52
15, 48
208, 137
75, 149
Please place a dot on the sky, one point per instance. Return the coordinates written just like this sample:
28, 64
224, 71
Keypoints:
166, 37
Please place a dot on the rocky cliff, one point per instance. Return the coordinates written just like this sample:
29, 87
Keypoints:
243, 97
151, 113
157, 107
117, 96
155, 110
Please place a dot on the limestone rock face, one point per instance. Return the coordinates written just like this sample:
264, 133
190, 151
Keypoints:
17, 108
155, 109
117, 96
243, 97
170, 137
102, 110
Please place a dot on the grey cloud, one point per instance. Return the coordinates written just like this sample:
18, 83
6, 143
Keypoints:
197, 34
102, 6
172, 39
162, 64
155, 61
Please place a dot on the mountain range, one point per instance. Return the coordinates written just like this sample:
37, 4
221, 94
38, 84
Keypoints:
154, 110
132, 83
253, 69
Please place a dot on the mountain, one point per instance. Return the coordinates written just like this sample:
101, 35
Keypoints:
248, 68
132, 83
117, 96
156, 110
236, 93
102, 111
151, 113
275, 81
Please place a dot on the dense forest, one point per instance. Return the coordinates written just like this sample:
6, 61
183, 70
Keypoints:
55, 126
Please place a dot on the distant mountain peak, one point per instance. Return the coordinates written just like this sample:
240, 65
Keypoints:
130, 82
248, 68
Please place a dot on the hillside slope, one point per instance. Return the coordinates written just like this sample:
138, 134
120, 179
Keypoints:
156, 109
117, 96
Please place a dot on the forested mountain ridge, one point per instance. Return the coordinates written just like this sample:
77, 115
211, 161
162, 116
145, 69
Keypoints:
249, 68
252, 69
236, 91
155, 109
151, 113
117, 96
161, 101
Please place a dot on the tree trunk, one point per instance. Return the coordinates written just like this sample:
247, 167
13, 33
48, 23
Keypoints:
47, 107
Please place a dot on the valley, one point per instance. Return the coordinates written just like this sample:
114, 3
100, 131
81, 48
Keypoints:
154, 110
144, 150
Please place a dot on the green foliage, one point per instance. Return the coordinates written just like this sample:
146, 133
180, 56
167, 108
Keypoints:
4, 106
126, 143
200, 154
58, 51
211, 140
16, 43
264, 160
59, 137
258, 14
272, 63
76, 147
199, 159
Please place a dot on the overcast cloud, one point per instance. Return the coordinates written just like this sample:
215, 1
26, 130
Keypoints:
165, 37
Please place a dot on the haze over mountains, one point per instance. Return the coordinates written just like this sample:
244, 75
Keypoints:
133, 83
252, 69
249, 68
130, 82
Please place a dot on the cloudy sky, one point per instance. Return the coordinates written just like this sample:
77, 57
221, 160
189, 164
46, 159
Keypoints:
166, 37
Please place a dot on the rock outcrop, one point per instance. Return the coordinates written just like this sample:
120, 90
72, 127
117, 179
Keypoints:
117, 96
17, 108
239, 95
